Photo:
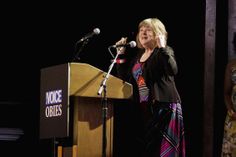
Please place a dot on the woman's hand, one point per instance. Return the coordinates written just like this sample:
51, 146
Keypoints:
233, 116
161, 41
122, 41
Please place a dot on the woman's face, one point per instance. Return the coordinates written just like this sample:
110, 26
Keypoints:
146, 36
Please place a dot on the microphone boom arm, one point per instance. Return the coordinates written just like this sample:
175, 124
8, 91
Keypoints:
103, 90
77, 57
103, 83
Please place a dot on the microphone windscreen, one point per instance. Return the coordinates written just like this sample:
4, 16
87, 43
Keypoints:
132, 44
96, 31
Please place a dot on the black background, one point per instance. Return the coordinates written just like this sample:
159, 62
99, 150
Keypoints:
35, 35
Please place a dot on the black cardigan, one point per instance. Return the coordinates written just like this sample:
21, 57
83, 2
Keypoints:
159, 71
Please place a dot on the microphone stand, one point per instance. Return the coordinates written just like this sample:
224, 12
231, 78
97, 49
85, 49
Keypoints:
103, 90
85, 42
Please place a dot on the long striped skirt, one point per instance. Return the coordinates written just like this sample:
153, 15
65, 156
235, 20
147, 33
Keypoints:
164, 135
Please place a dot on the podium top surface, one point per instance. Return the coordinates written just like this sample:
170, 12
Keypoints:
85, 81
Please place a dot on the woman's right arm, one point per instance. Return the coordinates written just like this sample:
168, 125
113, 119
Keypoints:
227, 92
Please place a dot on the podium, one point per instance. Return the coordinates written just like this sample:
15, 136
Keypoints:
71, 107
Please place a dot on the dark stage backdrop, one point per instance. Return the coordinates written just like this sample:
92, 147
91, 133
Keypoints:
37, 35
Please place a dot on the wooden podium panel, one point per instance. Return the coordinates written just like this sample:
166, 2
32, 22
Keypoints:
88, 133
80, 82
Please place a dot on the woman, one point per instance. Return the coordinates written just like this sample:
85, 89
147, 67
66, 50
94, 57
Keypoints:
229, 139
155, 97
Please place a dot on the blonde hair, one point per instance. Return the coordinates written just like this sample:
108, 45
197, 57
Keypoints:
157, 26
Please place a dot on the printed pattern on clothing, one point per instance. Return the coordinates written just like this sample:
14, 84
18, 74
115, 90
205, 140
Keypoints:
143, 89
233, 96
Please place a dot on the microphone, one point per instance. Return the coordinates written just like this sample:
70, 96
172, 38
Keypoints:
96, 31
131, 44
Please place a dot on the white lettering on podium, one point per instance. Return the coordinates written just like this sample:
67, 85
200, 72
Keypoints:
53, 111
53, 97
53, 102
